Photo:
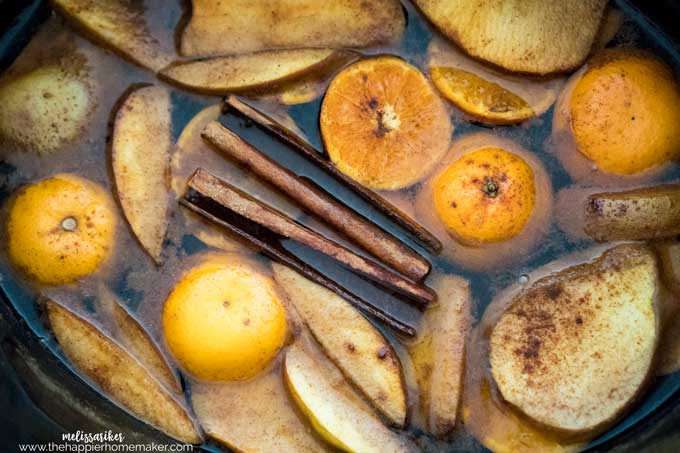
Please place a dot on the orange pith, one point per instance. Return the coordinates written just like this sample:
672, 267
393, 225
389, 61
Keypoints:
625, 112
60, 229
383, 123
486, 196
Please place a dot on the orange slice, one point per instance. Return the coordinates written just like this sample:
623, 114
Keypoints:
383, 124
480, 98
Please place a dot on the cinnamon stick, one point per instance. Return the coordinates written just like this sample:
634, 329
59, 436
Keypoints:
269, 243
232, 198
314, 199
422, 235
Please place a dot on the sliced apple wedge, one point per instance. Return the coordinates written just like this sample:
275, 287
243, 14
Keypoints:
529, 36
243, 26
253, 416
120, 25
119, 375
360, 351
575, 349
137, 341
439, 354
333, 415
222, 75
140, 151
645, 213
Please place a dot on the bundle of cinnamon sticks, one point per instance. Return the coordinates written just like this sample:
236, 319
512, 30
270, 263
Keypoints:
393, 265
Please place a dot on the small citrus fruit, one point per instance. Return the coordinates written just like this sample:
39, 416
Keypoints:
623, 112
60, 229
224, 321
487, 195
489, 201
383, 124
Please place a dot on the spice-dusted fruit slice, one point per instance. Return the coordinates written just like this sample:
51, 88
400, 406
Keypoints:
333, 415
256, 25
488, 418
256, 71
60, 229
574, 350
439, 354
383, 124
137, 340
529, 36
621, 113
46, 108
488, 94
120, 25
140, 154
119, 375
355, 346
224, 321
256, 415
647, 213
480, 98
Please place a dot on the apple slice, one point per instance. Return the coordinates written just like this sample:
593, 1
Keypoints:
439, 355
253, 416
575, 350
333, 415
141, 157
237, 27
120, 25
137, 341
360, 351
528, 36
119, 375
222, 75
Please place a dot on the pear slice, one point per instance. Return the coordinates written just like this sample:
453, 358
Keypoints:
137, 340
256, 71
119, 24
333, 415
439, 354
119, 375
360, 351
529, 36
242, 26
140, 151
575, 349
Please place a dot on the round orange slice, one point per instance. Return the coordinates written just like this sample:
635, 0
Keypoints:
487, 101
383, 124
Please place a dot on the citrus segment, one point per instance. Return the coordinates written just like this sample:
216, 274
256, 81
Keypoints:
383, 124
480, 98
